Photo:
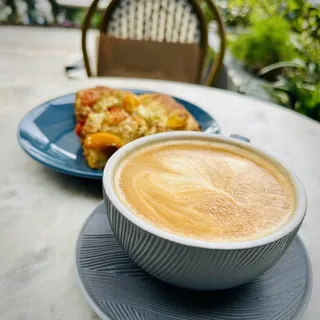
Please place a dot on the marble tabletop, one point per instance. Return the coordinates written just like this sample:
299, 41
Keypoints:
41, 211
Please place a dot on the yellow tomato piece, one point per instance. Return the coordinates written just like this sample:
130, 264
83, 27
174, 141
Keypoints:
177, 120
102, 140
130, 102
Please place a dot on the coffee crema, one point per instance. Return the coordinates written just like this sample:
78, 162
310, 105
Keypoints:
205, 190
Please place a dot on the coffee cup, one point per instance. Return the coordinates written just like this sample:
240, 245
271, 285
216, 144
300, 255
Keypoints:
194, 258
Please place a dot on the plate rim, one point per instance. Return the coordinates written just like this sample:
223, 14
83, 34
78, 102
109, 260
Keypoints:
103, 316
97, 175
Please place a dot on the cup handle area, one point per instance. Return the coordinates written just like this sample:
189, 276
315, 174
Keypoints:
236, 136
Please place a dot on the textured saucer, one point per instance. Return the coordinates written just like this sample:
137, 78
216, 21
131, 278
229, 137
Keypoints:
116, 288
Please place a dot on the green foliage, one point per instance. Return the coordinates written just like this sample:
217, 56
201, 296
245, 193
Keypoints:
265, 18
71, 14
236, 16
263, 44
283, 44
243, 12
296, 94
81, 14
305, 19
299, 87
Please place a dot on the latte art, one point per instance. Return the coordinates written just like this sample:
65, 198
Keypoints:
205, 190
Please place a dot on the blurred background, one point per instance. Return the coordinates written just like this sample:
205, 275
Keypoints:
273, 46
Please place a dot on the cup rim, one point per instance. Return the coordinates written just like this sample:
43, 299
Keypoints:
109, 170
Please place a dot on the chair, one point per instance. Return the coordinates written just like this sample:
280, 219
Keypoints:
159, 20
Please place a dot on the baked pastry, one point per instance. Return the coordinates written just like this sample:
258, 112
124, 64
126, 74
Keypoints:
109, 118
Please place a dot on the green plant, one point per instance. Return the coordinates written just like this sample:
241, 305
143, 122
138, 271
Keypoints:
299, 86
304, 19
296, 94
264, 44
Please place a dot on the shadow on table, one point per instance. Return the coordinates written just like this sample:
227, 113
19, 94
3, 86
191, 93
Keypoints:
83, 187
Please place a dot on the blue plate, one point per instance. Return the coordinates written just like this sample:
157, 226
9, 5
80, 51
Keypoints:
47, 134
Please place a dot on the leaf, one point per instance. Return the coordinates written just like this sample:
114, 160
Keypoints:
280, 84
281, 65
278, 96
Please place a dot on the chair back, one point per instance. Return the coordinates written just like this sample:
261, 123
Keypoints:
166, 21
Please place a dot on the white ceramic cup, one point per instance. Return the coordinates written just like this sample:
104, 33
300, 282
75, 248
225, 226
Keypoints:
189, 263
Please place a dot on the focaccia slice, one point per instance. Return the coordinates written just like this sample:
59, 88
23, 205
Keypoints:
108, 119
163, 113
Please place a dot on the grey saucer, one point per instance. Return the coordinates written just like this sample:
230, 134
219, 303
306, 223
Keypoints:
116, 288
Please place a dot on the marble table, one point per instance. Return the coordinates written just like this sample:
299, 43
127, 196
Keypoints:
41, 211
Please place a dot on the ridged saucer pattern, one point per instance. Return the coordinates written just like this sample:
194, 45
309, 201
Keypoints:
116, 288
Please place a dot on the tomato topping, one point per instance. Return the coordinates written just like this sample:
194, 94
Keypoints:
89, 97
78, 128
80, 125
116, 115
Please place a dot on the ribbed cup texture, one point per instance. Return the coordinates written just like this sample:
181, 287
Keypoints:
193, 267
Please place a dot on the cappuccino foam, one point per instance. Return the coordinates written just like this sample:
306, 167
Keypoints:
205, 190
